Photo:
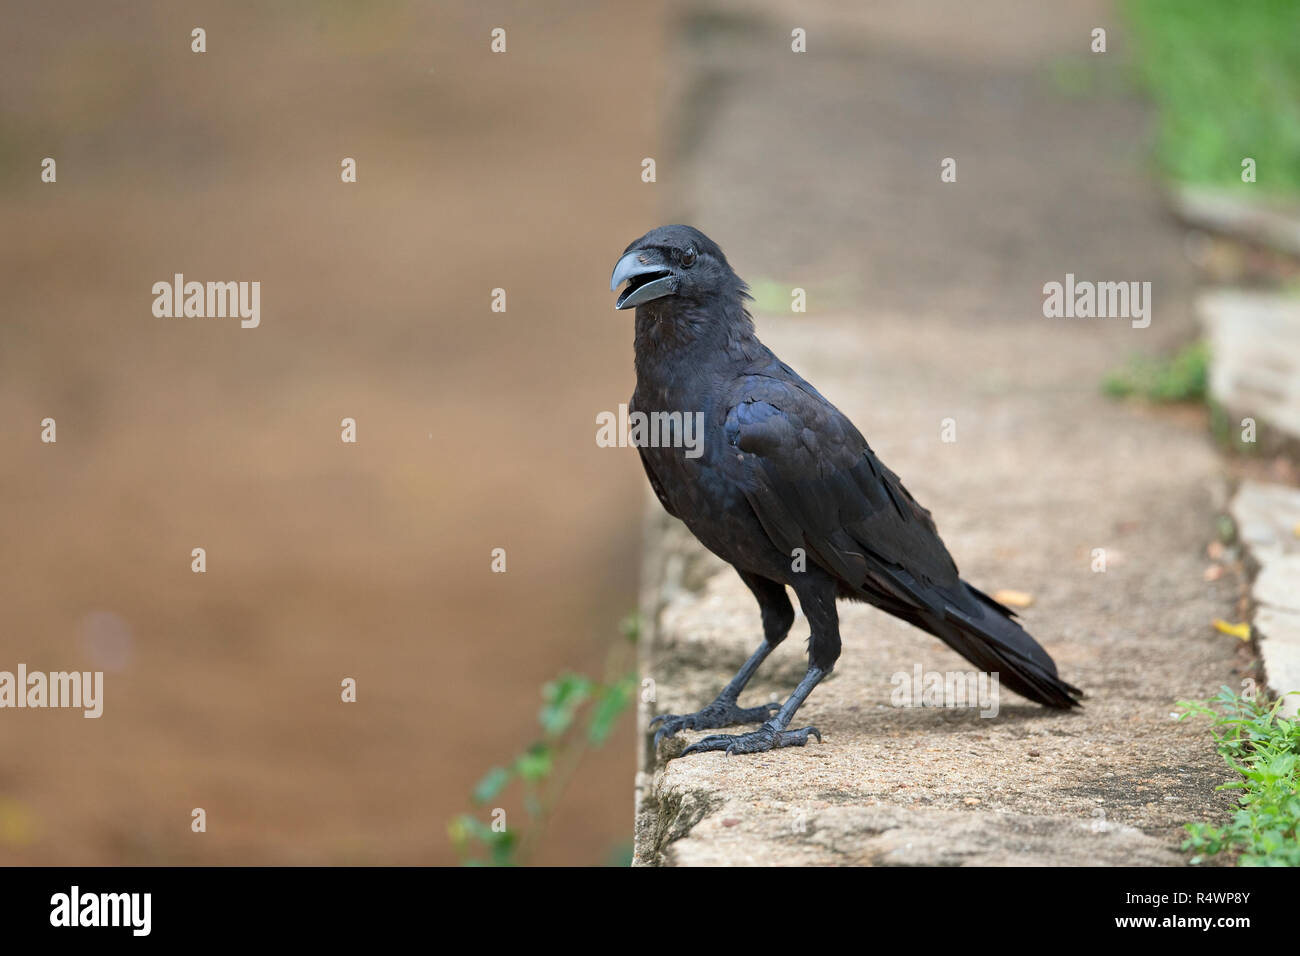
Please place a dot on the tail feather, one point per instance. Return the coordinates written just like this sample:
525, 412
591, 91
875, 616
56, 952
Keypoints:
986, 634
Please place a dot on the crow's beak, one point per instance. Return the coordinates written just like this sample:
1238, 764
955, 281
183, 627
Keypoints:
647, 278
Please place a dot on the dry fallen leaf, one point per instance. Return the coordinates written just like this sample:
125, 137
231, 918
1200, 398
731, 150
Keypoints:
1233, 630
1214, 572
1214, 550
1013, 598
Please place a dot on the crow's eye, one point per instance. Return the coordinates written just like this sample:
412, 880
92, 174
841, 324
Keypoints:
688, 258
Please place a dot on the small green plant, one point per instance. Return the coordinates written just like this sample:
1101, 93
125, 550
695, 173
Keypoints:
578, 713
1263, 749
1181, 377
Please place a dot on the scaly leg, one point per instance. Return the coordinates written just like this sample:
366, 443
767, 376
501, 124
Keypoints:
778, 615
817, 598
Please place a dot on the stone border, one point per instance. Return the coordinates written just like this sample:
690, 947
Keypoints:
1268, 519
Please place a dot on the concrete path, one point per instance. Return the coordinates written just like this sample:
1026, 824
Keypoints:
925, 303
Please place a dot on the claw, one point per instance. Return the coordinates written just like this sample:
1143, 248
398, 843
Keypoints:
707, 743
764, 739
720, 713
672, 724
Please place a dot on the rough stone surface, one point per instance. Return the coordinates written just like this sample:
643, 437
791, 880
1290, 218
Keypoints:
1236, 214
1266, 516
1254, 339
1278, 584
1268, 525
925, 303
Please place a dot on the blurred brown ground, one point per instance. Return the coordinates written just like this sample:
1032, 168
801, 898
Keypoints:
324, 560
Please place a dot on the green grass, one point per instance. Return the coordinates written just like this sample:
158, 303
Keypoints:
1181, 377
1226, 79
1263, 750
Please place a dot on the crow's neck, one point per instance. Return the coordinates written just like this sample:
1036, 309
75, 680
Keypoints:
672, 336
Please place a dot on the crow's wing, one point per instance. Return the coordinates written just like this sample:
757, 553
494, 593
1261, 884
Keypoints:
814, 483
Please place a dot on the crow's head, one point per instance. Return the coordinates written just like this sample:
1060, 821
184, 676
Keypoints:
674, 261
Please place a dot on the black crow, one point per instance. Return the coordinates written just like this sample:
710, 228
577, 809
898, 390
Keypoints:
785, 481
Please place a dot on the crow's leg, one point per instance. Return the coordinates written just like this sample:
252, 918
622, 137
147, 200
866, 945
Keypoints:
817, 598
724, 711
778, 615
772, 734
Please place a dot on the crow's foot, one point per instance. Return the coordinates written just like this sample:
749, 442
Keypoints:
768, 737
720, 713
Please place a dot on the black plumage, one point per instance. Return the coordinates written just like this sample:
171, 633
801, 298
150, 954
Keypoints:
782, 472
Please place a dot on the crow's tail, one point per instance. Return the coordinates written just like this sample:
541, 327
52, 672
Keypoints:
986, 634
